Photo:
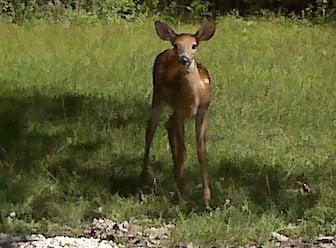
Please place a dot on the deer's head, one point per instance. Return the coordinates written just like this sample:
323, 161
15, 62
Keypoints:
185, 45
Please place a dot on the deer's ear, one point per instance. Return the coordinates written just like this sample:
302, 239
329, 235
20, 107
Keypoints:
164, 31
206, 32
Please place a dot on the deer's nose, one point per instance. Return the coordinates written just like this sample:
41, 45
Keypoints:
184, 60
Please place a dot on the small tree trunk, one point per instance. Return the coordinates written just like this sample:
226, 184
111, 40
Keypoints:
91, 4
14, 5
78, 5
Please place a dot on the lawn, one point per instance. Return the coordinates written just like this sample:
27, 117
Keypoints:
75, 100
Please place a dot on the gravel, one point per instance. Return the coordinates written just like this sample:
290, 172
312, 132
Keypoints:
61, 241
105, 233
102, 233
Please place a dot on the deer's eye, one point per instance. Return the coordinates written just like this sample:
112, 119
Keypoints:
193, 47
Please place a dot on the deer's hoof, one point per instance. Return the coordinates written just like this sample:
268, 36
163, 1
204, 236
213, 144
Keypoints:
208, 207
146, 179
206, 195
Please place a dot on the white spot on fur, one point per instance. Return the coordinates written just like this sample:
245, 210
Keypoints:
195, 108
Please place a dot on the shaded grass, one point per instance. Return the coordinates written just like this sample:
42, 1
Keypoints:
74, 103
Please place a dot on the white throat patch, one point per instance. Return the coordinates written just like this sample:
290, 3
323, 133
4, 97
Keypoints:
192, 66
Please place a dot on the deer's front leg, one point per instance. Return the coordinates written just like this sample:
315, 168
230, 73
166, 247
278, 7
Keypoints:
201, 129
180, 156
170, 126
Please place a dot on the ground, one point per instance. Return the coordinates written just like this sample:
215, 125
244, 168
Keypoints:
75, 100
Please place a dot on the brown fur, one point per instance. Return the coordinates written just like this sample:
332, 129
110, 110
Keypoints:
177, 88
185, 86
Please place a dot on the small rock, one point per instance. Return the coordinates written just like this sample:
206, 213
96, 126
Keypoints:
326, 239
280, 237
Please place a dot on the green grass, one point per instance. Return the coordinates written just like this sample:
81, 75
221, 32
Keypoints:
74, 102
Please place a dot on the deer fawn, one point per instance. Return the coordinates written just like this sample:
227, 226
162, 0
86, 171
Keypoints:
183, 84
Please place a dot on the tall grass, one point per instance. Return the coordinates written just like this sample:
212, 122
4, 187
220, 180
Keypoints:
74, 102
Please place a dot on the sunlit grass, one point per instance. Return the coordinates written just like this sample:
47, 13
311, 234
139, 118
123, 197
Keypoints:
74, 102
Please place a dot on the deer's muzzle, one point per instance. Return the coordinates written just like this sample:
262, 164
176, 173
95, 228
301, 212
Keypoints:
185, 60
